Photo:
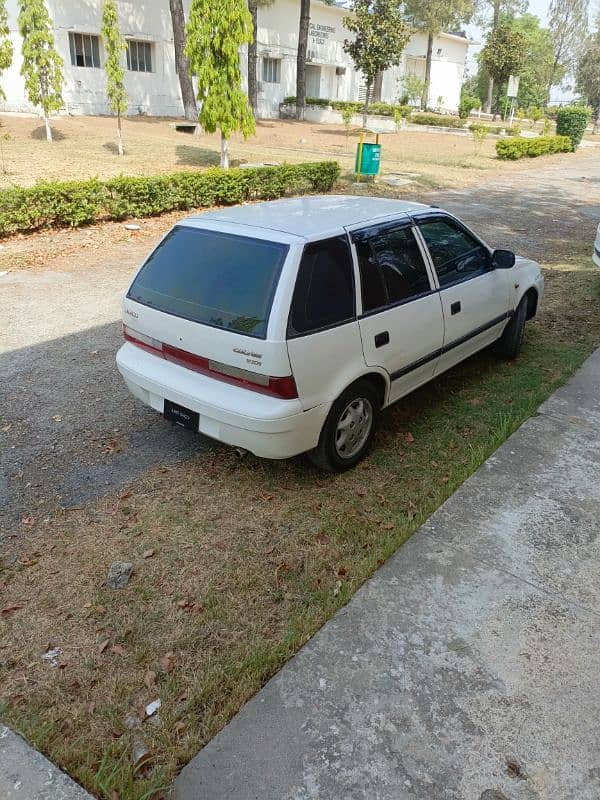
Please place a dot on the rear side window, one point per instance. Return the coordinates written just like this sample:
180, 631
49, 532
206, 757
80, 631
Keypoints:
324, 293
392, 269
456, 255
216, 279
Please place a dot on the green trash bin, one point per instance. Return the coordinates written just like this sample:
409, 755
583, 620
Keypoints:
371, 158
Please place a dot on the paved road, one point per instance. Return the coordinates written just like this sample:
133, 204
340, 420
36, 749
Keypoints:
468, 667
64, 401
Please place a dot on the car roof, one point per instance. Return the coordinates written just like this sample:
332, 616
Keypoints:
308, 217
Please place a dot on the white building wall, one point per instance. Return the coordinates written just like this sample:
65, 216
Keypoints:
331, 74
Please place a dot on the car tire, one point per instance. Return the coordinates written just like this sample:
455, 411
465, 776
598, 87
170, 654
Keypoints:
348, 429
508, 346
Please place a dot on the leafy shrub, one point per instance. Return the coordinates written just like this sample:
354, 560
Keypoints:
468, 103
513, 130
380, 109
75, 203
572, 121
440, 120
512, 149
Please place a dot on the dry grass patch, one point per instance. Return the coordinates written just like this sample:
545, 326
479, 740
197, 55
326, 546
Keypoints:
84, 148
238, 562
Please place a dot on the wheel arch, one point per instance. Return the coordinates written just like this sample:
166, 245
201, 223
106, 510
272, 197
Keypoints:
532, 297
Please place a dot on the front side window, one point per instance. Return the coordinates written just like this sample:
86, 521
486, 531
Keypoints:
456, 255
324, 292
392, 269
84, 49
271, 72
217, 279
139, 56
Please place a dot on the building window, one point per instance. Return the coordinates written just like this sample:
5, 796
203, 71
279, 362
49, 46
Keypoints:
85, 50
139, 56
271, 71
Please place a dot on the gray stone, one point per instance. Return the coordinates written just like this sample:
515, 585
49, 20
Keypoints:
26, 775
467, 667
119, 574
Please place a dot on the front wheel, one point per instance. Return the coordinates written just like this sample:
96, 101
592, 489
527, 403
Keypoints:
348, 429
509, 344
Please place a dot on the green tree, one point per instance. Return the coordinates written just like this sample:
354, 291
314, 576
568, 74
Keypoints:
215, 32
588, 74
499, 8
433, 17
381, 34
42, 66
6, 47
503, 54
538, 61
188, 98
568, 22
114, 46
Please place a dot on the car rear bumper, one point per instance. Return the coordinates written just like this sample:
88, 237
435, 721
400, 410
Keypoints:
266, 426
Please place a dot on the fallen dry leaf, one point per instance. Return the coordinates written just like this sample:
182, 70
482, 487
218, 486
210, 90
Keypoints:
179, 728
149, 678
6, 428
117, 650
322, 538
342, 571
446, 478
408, 437
28, 520
148, 553
388, 526
167, 662
10, 609
104, 645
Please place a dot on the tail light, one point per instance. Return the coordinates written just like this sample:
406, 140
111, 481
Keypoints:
282, 387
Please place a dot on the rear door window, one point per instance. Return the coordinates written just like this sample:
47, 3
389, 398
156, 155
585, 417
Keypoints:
324, 292
214, 278
392, 269
456, 255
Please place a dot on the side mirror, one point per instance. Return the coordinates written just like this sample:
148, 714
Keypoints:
503, 259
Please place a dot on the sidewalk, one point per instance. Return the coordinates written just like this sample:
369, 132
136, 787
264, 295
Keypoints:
26, 775
468, 667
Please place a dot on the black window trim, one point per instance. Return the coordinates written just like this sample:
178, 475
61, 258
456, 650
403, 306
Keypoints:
427, 216
374, 230
291, 333
269, 307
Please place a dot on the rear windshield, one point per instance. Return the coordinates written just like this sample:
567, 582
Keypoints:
217, 279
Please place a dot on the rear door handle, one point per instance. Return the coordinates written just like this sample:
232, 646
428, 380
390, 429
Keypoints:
382, 338
455, 308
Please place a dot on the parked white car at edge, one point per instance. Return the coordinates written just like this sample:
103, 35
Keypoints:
596, 253
286, 327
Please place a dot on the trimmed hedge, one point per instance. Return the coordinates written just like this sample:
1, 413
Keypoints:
439, 120
572, 121
75, 203
512, 149
378, 109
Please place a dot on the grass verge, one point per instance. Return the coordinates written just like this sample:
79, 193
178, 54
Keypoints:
238, 563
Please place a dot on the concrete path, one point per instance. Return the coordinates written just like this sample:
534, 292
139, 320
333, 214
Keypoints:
26, 775
468, 667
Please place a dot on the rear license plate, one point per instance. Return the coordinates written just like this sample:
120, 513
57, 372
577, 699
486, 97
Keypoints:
182, 416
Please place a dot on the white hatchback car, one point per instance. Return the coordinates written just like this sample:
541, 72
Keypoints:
286, 326
596, 253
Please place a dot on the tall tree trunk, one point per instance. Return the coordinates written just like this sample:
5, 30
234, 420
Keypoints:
425, 95
48, 128
490, 93
253, 60
190, 109
377, 88
596, 129
366, 105
301, 60
119, 135
224, 151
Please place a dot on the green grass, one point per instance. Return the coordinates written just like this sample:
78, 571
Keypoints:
269, 551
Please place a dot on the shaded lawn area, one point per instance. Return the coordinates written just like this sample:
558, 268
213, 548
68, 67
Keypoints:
239, 562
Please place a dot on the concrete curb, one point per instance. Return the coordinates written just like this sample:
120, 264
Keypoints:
26, 774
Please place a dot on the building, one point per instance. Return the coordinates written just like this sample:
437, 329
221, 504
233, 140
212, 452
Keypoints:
151, 78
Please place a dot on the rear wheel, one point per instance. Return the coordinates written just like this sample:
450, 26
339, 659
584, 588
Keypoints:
509, 344
348, 429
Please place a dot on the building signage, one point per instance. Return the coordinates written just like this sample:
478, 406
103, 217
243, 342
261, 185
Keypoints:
320, 33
